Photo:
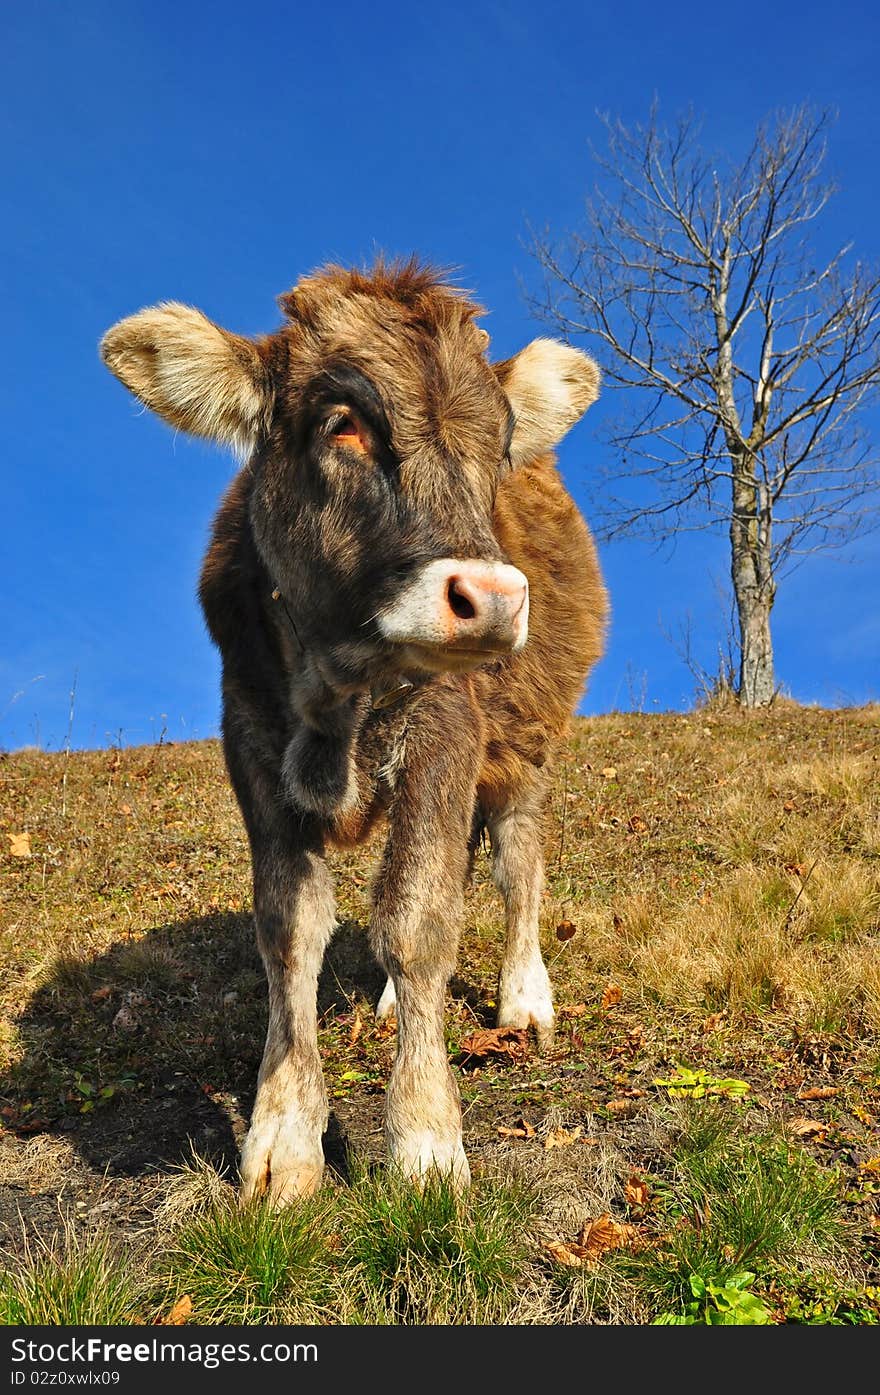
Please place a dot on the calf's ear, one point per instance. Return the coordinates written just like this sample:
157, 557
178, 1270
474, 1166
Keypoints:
549, 386
196, 375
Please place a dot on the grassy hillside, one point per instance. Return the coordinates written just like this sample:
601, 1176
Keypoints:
711, 920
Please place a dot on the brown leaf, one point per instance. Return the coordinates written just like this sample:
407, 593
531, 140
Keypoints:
574, 1010
808, 1128
572, 1256
179, 1314
611, 996
636, 824
604, 1234
510, 1042
713, 1021
818, 1092
19, 844
520, 1129
636, 1192
563, 1138
101, 993
566, 930
789, 806
609, 773
797, 869
619, 1106
357, 1027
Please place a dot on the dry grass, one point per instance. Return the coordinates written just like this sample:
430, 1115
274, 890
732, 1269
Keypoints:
723, 873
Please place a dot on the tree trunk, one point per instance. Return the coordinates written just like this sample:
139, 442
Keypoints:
753, 587
757, 685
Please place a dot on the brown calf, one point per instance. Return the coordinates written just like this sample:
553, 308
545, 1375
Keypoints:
407, 603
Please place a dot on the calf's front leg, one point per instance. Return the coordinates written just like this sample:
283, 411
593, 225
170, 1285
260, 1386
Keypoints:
417, 911
294, 911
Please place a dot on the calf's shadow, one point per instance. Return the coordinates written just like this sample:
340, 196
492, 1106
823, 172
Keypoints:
151, 1048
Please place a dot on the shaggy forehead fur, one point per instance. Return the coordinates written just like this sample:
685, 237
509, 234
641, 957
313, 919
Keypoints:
414, 336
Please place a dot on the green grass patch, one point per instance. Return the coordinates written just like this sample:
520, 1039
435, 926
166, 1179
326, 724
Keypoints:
71, 1281
733, 1212
244, 1265
427, 1255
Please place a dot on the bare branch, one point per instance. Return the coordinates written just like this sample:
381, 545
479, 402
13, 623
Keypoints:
695, 279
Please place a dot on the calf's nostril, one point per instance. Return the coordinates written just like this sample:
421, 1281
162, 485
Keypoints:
459, 603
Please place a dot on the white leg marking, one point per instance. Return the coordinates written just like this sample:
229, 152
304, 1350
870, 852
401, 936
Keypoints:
525, 997
422, 1111
387, 1004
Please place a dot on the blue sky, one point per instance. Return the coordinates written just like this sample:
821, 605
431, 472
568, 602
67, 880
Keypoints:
214, 153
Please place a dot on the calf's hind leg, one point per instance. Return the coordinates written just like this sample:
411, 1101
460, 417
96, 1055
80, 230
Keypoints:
524, 994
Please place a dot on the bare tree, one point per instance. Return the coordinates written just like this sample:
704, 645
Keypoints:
749, 361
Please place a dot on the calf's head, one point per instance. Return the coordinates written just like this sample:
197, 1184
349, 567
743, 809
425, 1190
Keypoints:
377, 432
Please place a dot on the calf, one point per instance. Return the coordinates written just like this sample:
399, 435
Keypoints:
407, 603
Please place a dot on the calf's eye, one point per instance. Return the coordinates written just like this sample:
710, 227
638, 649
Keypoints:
347, 431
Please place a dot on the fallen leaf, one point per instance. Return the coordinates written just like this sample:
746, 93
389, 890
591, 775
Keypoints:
797, 869
575, 1010
510, 1042
566, 930
619, 1106
637, 824
872, 1165
357, 1027
611, 996
520, 1129
101, 993
636, 1192
808, 1128
789, 806
179, 1314
713, 1021
563, 1138
596, 1237
19, 844
818, 1092
572, 1256
609, 773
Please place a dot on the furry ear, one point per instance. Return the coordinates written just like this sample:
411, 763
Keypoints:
549, 386
196, 375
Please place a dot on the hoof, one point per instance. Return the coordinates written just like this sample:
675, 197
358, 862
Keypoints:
279, 1168
420, 1156
525, 1000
